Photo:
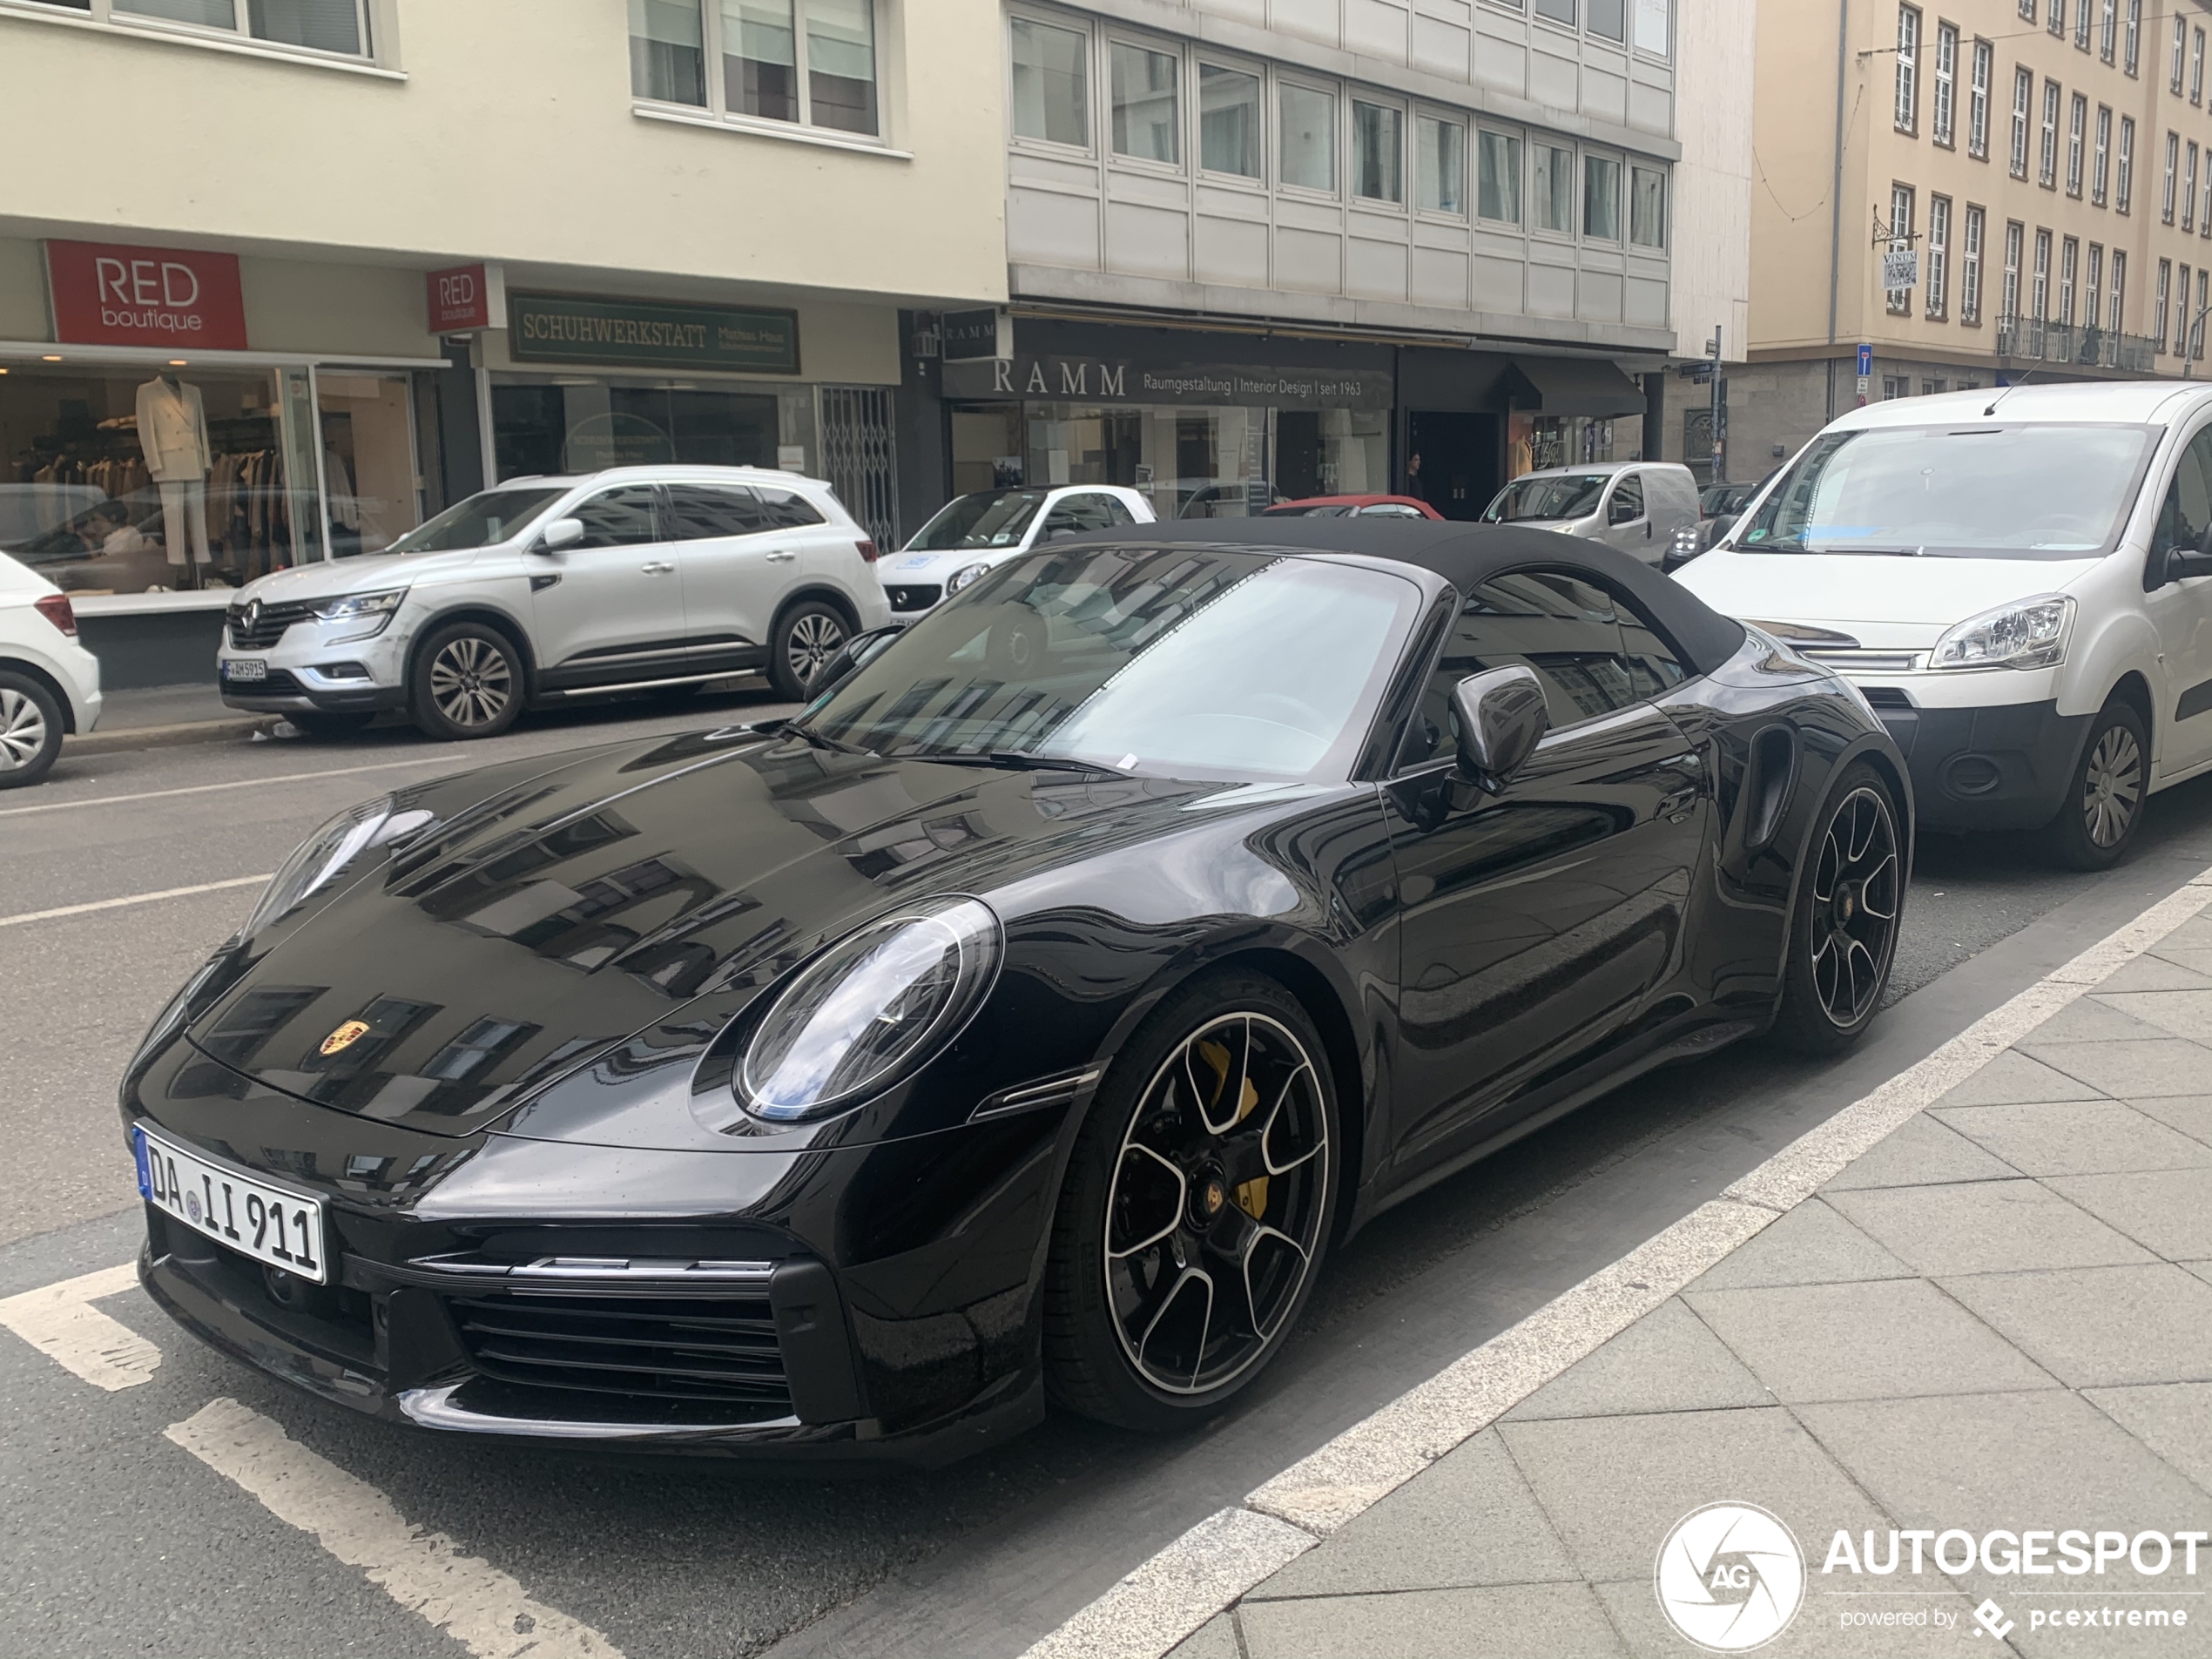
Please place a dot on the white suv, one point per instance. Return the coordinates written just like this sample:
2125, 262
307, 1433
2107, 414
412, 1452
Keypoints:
49, 683
549, 589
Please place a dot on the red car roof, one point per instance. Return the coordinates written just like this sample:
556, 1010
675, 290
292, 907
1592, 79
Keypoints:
1295, 509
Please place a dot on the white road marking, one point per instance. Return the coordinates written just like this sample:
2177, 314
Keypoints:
438, 756
134, 898
1210, 1567
471, 1601
60, 1321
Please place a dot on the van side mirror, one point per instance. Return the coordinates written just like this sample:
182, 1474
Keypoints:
561, 532
1502, 717
1622, 510
2185, 562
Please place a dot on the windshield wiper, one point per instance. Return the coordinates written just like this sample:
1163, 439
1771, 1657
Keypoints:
1015, 760
793, 729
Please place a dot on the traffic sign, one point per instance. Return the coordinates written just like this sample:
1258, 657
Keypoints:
1866, 362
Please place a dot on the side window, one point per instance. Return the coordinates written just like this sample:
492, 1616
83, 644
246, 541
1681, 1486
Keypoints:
1594, 653
697, 513
1628, 501
787, 509
1085, 513
620, 517
2187, 511
1118, 512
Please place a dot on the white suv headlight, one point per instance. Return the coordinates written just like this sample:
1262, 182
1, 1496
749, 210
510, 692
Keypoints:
372, 611
2027, 633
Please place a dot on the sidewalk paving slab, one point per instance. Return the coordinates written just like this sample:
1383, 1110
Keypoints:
2076, 1137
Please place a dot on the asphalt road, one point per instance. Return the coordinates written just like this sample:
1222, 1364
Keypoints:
121, 1541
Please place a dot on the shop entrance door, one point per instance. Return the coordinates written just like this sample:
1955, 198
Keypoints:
1454, 462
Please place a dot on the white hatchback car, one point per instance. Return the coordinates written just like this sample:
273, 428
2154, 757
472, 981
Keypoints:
971, 534
2020, 582
50, 684
551, 588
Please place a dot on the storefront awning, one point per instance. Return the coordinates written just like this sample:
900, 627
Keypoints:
1586, 386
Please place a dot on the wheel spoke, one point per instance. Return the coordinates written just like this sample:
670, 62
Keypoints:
1270, 1160
1185, 1280
1174, 1213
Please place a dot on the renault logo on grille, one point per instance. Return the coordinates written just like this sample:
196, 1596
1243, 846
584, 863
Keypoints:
253, 613
345, 1036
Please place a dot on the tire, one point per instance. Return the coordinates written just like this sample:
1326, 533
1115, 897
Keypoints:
31, 730
804, 637
1146, 1333
467, 682
318, 723
2105, 795
1842, 943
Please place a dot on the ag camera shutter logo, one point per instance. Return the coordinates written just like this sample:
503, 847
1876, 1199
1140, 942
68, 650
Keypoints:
1731, 1577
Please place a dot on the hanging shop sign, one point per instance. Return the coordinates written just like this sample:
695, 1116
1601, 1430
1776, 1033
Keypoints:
967, 335
1117, 381
464, 299
105, 294
651, 333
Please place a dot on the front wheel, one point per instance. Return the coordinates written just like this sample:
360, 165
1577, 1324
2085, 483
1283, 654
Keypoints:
30, 731
804, 638
1196, 1209
1843, 929
2104, 798
468, 683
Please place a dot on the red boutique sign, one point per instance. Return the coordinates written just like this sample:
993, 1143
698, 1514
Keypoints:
460, 299
179, 298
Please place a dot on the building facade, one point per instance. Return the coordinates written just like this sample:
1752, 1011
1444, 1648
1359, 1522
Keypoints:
359, 257
2047, 163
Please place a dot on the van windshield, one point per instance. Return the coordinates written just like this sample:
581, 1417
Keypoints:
2039, 491
1560, 495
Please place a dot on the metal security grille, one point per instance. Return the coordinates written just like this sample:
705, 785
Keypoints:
860, 459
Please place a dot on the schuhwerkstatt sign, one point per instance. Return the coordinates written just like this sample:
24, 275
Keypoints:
650, 334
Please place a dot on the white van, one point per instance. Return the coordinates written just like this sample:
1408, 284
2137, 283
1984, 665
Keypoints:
2019, 580
1646, 509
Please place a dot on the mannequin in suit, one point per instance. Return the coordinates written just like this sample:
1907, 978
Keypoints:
173, 435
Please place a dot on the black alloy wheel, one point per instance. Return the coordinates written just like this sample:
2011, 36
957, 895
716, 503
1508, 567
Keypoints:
31, 730
1843, 935
467, 683
804, 639
1197, 1209
2104, 799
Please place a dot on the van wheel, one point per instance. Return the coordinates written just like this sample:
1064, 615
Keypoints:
30, 731
802, 642
2104, 800
467, 683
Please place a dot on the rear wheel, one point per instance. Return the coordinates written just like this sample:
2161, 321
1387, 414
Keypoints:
2104, 799
804, 639
468, 682
31, 730
1842, 930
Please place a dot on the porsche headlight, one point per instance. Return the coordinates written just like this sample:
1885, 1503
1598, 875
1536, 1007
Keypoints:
965, 575
324, 855
2027, 633
871, 1008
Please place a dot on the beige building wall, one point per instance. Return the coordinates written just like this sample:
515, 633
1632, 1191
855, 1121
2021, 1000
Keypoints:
1716, 55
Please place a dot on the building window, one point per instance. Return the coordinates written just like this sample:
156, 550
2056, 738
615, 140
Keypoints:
2107, 28
1900, 300
2189, 187
1947, 76
2039, 296
2081, 24
2100, 163
1229, 121
2180, 53
2204, 220
2023, 96
2197, 71
2054, 19
2123, 192
2172, 172
1551, 189
2197, 314
1607, 17
2069, 259
1647, 207
1557, 11
2132, 57
2010, 299
1378, 152
2046, 159
1970, 268
2076, 137
1051, 83
1308, 147
1898, 386
1145, 94
2027, 9
1935, 280
2092, 285
1977, 101
1440, 168
1652, 19
2119, 285
1602, 199
1908, 69
2165, 293
2181, 315
806, 63
1934, 386
338, 28
1497, 176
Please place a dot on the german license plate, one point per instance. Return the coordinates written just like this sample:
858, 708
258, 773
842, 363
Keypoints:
245, 668
280, 1228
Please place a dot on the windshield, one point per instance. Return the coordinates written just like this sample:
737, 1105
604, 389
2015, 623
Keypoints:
994, 518
1182, 661
2043, 491
1573, 495
481, 521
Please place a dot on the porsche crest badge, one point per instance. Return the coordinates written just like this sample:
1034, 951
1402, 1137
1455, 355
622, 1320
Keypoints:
345, 1036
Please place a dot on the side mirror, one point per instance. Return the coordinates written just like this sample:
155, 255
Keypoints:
850, 658
1622, 510
1061, 533
2184, 561
561, 532
1501, 718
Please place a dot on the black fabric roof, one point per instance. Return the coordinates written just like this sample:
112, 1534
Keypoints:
1468, 555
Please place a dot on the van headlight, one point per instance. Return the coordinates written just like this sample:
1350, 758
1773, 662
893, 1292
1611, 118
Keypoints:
325, 855
870, 1009
2027, 633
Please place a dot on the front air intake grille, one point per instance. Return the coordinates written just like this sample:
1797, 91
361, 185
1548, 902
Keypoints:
1887, 697
919, 597
253, 630
637, 1357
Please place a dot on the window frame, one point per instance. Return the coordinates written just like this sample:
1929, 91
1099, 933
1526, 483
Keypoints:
1935, 279
2123, 168
1573, 232
1524, 144
2093, 285
1906, 114
2101, 158
1091, 147
1981, 72
373, 18
2165, 296
1339, 94
1664, 244
2181, 54
1104, 40
2173, 177
2069, 274
715, 111
2116, 267
2132, 41
2023, 146
1973, 232
1585, 156
2040, 274
2047, 153
2108, 29
1355, 95
1943, 95
2077, 143
1199, 63
1898, 301
2015, 260
1462, 119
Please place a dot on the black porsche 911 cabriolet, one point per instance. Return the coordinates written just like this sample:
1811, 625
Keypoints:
1025, 1019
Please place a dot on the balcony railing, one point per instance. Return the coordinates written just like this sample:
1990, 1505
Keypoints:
2035, 340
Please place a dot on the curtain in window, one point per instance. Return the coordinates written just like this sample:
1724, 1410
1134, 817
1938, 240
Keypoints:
1144, 104
327, 25
1228, 121
213, 14
667, 51
840, 63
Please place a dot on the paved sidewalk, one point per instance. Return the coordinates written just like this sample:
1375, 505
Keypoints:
1999, 1318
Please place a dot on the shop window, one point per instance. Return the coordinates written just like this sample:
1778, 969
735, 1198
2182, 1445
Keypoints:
1051, 82
1378, 152
802, 62
1228, 129
1647, 207
369, 459
1551, 189
1602, 199
585, 425
1308, 155
337, 26
1144, 92
1441, 169
1497, 184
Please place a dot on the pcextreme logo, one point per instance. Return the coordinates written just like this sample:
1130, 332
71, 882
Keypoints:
1729, 1577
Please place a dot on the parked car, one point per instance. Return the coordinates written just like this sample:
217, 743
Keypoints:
1027, 1019
2020, 583
1722, 504
50, 684
1643, 507
1352, 507
1219, 497
972, 534
546, 589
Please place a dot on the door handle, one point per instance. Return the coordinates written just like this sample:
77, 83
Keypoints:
658, 567
781, 556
